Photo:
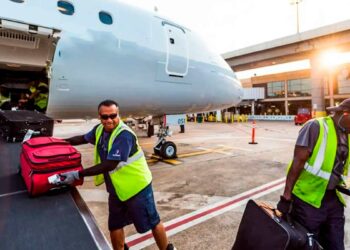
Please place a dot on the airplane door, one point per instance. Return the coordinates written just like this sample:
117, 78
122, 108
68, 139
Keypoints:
25, 45
177, 50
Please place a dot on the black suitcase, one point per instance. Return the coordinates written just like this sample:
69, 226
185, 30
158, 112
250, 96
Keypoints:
15, 124
262, 228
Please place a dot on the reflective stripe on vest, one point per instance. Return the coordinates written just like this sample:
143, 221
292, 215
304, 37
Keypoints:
42, 84
32, 89
316, 168
130, 160
313, 180
3, 99
42, 98
129, 177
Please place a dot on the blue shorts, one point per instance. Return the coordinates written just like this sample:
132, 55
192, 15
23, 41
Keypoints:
139, 210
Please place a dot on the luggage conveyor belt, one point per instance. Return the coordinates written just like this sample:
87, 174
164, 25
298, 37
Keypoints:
54, 221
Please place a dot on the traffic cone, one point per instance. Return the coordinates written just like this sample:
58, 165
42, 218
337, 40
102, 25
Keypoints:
253, 133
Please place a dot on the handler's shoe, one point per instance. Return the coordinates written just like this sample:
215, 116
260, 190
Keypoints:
170, 247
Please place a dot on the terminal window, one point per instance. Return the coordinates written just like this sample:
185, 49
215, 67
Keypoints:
275, 89
299, 87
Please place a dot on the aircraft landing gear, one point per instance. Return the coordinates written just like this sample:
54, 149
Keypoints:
163, 148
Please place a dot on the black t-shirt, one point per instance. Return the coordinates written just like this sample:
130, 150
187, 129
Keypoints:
308, 136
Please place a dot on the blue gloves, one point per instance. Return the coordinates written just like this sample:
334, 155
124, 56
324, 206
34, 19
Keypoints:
68, 178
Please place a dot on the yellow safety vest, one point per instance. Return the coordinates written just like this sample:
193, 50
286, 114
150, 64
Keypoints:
129, 177
32, 89
313, 180
3, 99
41, 99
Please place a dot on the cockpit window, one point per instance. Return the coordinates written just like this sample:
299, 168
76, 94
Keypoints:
105, 18
65, 8
17, 1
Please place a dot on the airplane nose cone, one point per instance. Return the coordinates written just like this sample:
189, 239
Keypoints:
231, 91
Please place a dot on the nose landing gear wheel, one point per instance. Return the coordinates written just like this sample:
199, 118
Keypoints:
168, 150
163, 148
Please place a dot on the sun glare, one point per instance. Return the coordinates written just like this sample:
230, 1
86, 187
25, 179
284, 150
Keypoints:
332, 58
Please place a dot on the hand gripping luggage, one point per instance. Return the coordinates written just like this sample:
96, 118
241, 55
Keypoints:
262, 228
15, 124
42, 157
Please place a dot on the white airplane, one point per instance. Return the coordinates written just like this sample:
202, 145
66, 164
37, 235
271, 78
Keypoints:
91, 50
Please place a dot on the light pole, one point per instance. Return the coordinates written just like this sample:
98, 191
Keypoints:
296, 2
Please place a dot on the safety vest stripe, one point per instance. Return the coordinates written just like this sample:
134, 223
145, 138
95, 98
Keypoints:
321, 153
316, 168
129, 161
317, 172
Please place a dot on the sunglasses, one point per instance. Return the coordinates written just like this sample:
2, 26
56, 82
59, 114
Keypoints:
105, 117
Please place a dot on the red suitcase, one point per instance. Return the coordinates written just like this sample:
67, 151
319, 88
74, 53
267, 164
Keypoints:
43, 157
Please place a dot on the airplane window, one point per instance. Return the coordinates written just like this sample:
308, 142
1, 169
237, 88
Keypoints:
105, 18
18, 1
65, 8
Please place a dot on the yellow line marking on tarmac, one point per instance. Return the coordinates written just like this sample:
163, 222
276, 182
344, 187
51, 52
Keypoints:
219, 150
195, 153
223, 152
172, 161
229, 147
155, 158
152, 160
207, 151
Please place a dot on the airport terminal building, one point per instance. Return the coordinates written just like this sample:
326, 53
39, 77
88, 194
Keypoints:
319, 85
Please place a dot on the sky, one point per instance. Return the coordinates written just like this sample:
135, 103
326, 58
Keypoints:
228, 25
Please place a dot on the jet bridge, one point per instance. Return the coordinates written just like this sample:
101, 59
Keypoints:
59, 220
305, 45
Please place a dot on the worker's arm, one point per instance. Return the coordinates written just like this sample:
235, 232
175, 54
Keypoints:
119, 152
77, 140
70, 177
101, 168
301, 155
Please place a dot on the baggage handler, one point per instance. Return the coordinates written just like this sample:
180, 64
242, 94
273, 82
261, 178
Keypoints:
320, 162
121, 164
36, 97
41, 96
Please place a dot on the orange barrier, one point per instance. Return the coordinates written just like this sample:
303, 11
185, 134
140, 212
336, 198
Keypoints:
253, 134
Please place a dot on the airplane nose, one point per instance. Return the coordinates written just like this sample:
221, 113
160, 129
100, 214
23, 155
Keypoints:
231, 91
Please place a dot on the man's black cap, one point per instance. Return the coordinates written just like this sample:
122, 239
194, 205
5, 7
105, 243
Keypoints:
344, 106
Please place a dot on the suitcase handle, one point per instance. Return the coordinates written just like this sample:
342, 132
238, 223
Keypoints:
56, 156
61, 158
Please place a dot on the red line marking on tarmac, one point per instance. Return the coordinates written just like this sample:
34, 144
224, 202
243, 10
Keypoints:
209, 211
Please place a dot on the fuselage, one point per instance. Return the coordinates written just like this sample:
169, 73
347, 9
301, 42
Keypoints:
149, 65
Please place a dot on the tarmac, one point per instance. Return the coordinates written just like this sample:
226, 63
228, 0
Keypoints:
202, 194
